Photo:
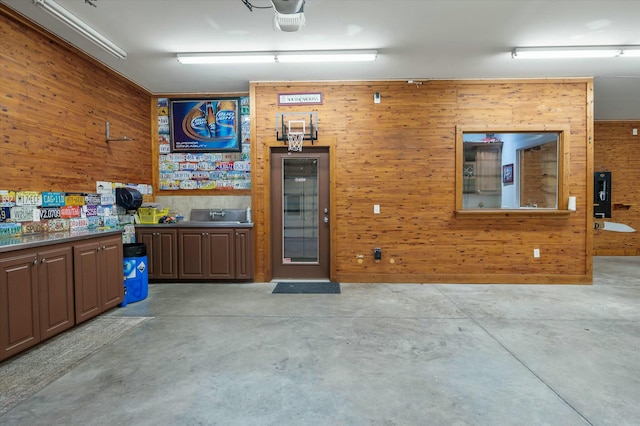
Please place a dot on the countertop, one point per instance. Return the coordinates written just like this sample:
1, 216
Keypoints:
44, 239
197, 224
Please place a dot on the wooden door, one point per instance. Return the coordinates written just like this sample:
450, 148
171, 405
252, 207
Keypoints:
300, 213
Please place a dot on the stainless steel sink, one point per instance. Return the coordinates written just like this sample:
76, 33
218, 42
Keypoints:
218, 216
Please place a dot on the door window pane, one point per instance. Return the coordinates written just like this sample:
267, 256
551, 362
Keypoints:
300, 210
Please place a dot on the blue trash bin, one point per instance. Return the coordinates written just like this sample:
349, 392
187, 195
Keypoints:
136, 273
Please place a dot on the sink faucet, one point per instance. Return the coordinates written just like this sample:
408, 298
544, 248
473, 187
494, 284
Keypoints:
213, 213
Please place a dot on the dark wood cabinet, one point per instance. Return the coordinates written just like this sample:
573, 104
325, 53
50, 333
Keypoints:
162, 257
36, 297
215, 253
98, 274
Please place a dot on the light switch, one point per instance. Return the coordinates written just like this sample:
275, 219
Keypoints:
376, 209
635, 132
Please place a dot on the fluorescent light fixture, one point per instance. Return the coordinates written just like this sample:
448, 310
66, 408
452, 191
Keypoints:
264, 57
226, 58
328, 56
80, 26
568, 52
631, 52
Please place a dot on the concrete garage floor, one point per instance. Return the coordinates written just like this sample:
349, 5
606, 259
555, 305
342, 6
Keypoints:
377, 354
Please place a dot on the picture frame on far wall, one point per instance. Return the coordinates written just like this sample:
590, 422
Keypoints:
507, 173
205, 125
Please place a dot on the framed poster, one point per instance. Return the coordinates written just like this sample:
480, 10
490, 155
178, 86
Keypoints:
205, 125
507, 173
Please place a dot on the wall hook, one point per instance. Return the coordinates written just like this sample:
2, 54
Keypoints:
109, 138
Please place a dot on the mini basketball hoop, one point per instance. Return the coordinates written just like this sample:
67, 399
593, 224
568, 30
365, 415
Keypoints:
293, 128
295, 135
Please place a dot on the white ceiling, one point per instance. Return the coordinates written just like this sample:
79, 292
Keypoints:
415, 39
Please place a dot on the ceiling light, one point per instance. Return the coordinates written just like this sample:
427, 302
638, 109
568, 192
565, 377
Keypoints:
328, 56
80, 26
563, 52
631, 52
263, 57
226, 58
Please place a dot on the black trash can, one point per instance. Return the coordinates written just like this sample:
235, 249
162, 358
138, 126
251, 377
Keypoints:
136, 273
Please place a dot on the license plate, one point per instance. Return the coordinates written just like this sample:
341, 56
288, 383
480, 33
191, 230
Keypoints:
7, 198
10, 229
24, 214
5, 214
33, 227
92, 199
68, 212
91, 210
78, 223
107, 199
53, 199
58, 225
50, 213
28, 198
110, 221
74, 200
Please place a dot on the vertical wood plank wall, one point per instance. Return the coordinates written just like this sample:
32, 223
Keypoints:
617, 151
54, 104
401, 154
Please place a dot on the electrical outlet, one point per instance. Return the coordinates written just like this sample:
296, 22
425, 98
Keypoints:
536, 253
376, 209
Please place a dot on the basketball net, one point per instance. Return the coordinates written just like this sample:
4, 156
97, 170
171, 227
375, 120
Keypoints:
295, 141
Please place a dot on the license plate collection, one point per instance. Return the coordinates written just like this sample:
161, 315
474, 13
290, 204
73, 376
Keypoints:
32, 212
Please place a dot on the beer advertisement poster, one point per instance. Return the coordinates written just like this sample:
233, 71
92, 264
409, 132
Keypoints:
205, 125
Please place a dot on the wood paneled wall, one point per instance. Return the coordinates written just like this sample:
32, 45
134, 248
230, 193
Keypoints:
401, 154
617, 150
54, 103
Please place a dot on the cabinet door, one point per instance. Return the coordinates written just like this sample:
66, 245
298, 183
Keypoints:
55, 285
112, 273
192, 254
86, 273
244, 254
165, 249
19, 313
221, 253
147, 237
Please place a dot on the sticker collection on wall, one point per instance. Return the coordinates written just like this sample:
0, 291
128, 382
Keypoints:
204, 144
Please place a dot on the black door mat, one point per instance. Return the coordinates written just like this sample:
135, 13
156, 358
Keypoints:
302, 287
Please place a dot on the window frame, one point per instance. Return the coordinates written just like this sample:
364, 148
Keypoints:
563, 171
